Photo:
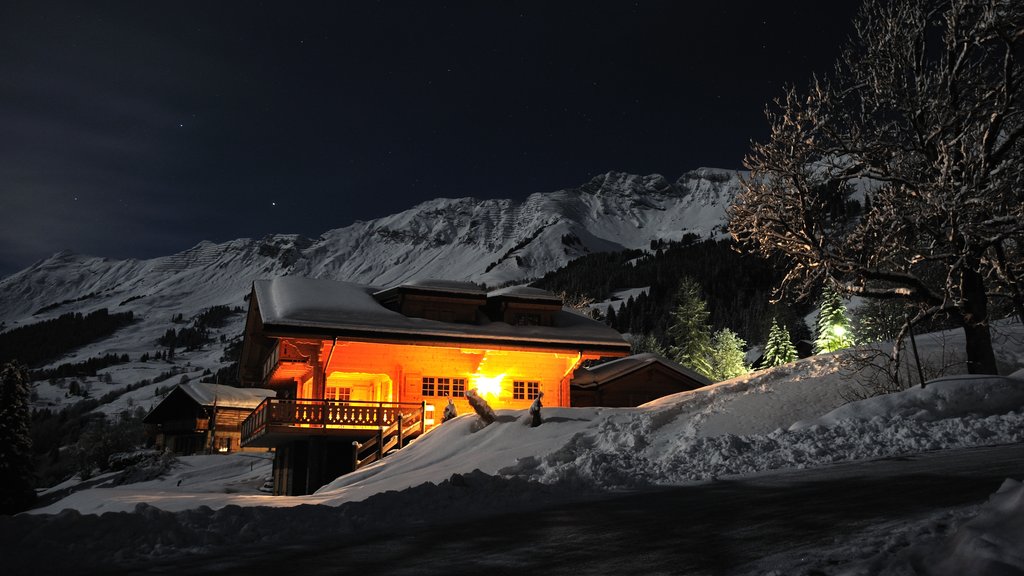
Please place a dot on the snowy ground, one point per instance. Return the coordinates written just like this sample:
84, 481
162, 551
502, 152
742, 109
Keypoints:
795, 416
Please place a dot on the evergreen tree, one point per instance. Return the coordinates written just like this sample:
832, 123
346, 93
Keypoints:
690, 332
641, 343
779, 349
834, 331
16, 465
727, 358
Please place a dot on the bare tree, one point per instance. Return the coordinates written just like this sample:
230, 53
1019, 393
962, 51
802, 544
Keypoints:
924, 113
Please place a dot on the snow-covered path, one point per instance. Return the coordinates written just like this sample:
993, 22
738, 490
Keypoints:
822, 521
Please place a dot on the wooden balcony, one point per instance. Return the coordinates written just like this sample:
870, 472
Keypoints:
278, 420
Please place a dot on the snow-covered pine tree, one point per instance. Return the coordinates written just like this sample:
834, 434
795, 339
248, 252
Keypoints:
450, 411
480, 406
641, 343
834, 331
16, 465
779, 349
690, 332
727, 358
535, 418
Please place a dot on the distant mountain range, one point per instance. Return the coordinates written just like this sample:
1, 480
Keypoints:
494, 242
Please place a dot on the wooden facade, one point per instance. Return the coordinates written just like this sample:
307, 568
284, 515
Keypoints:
345, 361
632, 381
199, 418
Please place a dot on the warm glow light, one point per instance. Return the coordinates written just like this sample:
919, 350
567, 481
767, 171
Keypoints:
838, 330
488, 385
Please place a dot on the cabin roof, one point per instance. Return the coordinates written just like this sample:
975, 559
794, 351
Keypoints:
204, 396
293, 306
225, 396
597, 375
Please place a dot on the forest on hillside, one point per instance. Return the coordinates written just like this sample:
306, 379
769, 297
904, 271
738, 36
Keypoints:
736, 286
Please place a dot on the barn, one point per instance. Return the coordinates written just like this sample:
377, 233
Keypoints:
632, 381
197, 417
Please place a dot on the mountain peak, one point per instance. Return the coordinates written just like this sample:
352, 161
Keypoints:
622, 183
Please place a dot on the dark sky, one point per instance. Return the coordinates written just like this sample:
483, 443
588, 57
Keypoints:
137, 129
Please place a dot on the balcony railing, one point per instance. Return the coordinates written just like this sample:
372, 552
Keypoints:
321, 417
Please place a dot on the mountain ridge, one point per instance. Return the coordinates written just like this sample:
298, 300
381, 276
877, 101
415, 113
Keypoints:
490, 241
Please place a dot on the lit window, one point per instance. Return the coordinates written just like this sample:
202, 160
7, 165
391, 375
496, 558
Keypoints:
523, 390
438, 386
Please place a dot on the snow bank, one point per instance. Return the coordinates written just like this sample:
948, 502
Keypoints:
71, 542
992, 542
949, 397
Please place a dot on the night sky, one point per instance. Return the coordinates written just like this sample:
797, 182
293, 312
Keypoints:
137, 129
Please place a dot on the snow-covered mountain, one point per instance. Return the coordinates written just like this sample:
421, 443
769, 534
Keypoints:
488, 241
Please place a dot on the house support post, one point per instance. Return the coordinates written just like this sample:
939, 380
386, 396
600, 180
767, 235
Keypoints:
315, 465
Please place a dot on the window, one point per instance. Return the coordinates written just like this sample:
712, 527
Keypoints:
338, 393
437, 386
523, 390
532, 390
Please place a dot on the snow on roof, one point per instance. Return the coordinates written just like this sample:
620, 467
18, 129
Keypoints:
524, 293
445, 286
293, 305
227, 396
601, 373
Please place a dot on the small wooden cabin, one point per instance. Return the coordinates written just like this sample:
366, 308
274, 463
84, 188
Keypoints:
197, 417
632, 381
353, 364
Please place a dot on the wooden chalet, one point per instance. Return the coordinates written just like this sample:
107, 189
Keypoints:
359, 371
197, 417
632, 381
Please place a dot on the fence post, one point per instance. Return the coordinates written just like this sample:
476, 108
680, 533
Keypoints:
423, 417
380, 443
356, 446
913, 344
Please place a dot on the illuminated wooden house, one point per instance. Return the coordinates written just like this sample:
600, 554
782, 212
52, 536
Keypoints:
196, 417
632, 381
347, 361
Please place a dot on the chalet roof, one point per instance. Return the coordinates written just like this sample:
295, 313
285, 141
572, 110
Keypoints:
525, 293
433, 286
225, 396
601, 373
292, 306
